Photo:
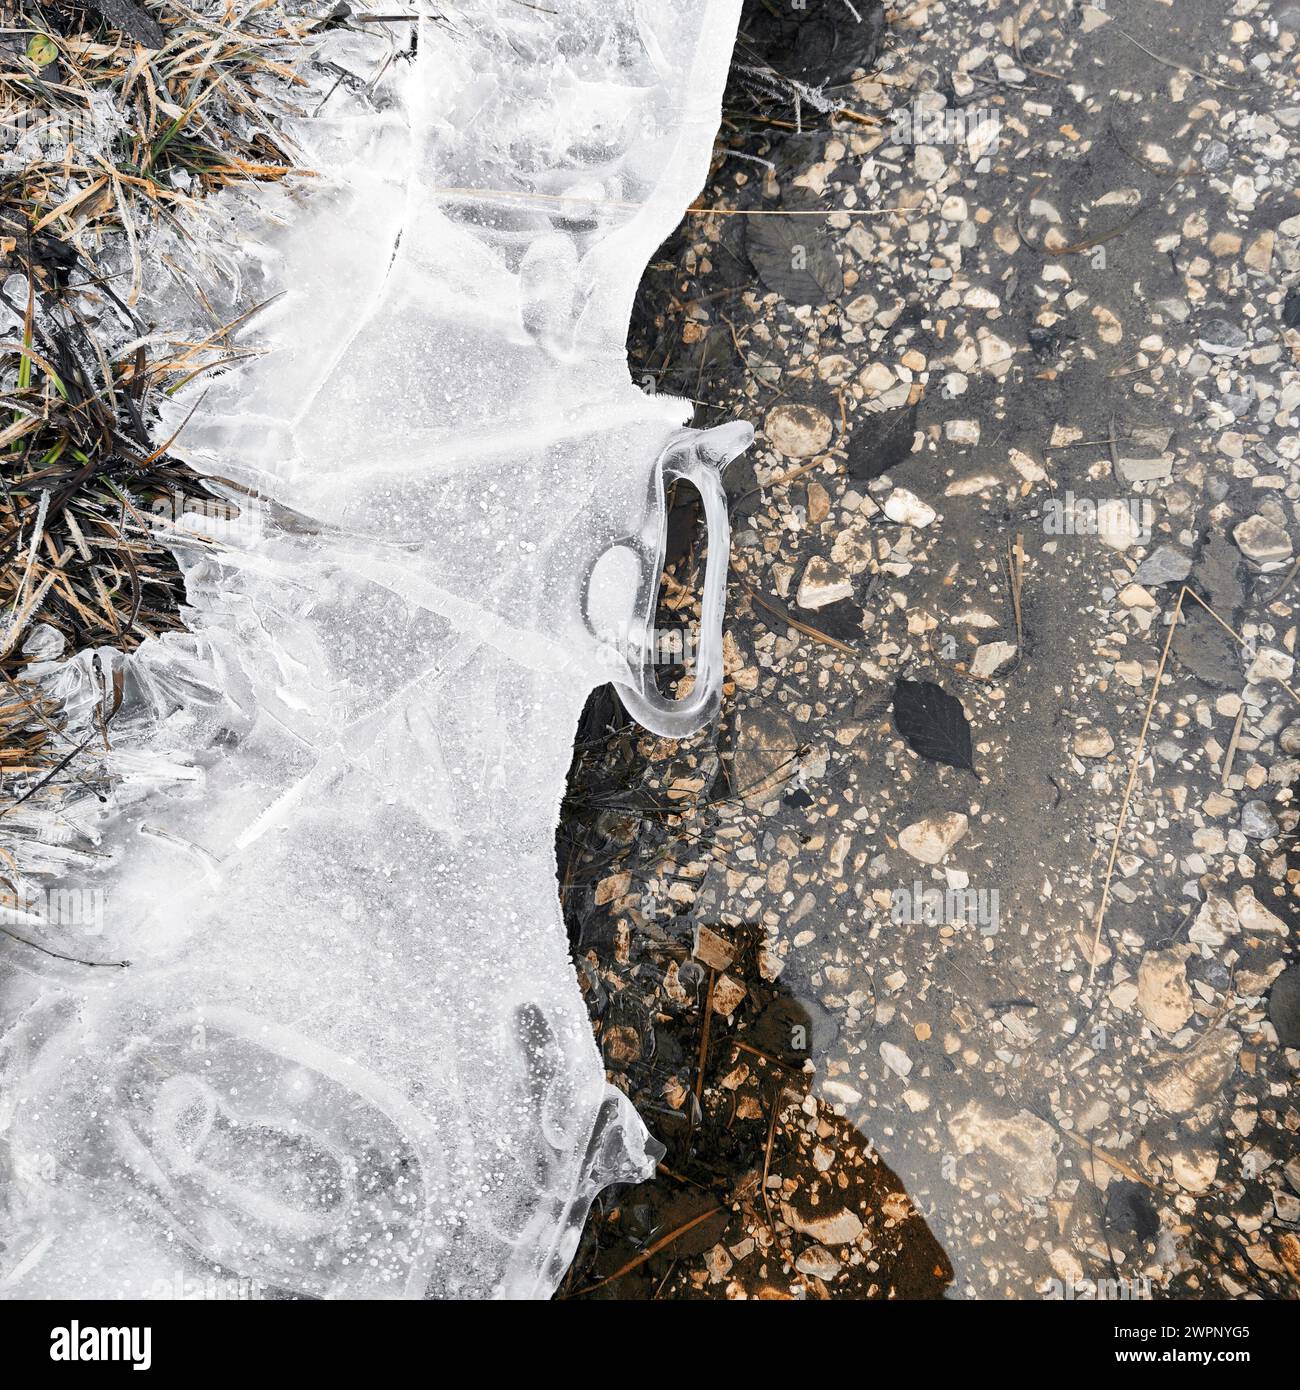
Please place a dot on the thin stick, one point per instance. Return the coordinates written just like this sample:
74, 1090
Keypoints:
1016, 581
1232, 746
806, 628
1132, 779
649, 1252
767, 1157
58, 955
704, 1036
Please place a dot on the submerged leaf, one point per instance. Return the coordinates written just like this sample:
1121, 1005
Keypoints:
933, 723
795, 257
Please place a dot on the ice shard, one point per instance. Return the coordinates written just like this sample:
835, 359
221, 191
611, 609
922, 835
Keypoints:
349, 1056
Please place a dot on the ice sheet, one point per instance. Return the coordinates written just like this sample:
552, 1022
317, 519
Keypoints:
349, 1056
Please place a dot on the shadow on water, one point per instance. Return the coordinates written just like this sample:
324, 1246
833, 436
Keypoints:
763, 1190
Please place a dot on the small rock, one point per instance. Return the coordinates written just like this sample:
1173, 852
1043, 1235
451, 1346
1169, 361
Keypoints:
990, 657
823, 583
1259, 254
727, 995
1270, 664
1117, 526
1135, 596
834, 1228
1292, 1170
908, 509
818, 1263
1261, 540
1194, 1170
1030, 470
1109, 328
1144, 470
1215, 922
877, 378
1024, 1144
1164, 995
819, 504
840, 1093
1164, 565
929, 164
719, 1263
1196, 1077
966, 432
1093, 743
895, 1059
1253, 915
1223, 339
929, 840
712, 950
1257, 821
798, 431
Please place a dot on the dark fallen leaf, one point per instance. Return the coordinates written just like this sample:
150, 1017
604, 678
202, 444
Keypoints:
933, 723
881, 442
131, 20
795, 256
1200, 643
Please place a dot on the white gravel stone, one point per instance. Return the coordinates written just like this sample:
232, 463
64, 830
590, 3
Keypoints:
991, 657
822, 583
965, 432
798, 431
908, 509
1093, 743
929, 840
929, 163
895, 1059
1261, 540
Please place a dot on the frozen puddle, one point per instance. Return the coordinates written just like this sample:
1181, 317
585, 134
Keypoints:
349, 1057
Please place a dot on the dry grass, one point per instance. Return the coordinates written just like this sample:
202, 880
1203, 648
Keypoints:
103, 141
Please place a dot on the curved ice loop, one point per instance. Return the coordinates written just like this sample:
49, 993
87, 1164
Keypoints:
349, 1055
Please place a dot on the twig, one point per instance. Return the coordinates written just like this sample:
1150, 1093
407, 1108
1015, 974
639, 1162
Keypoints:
1232, 745
704, 1036
1132, 779
649, 1252
58, 955
806, 628
767, 1158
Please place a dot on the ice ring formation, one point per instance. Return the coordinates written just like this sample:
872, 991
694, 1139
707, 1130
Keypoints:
349, 1056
